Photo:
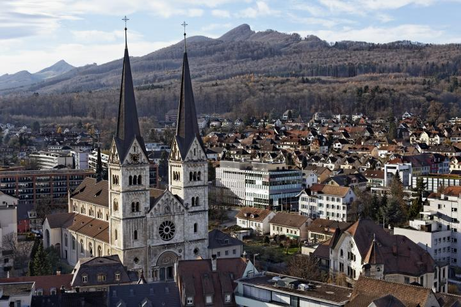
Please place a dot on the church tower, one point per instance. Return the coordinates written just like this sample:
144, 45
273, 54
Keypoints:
128, 176
188, 167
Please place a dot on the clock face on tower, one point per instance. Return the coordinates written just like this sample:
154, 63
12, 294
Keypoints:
167, 230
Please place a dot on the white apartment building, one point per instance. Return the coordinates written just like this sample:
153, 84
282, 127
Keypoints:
93, 160
326, 202
49, 160
403, 169
8, 231
254, 184
255, 218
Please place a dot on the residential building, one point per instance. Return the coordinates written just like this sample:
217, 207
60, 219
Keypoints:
375, 178
402, 169
16, 294
211, 282
321, 230
326, 202
93, 160
223, 245
99, 273
354, 181
375, 293
255, 218
365, 248
291, 225
272, 290
44, 285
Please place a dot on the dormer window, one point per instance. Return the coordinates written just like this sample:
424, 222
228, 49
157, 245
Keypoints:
85, 278
190, 301
227, 298
101, 277
117, 276
209, 300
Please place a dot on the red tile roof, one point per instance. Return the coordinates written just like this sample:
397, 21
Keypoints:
46, 282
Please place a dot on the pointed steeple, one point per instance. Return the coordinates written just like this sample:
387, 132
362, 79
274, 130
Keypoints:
127, 122
187, 126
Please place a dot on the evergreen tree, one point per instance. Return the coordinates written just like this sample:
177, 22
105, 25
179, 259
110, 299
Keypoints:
374, 208
417, 203
304, 162
41, 264
32, 257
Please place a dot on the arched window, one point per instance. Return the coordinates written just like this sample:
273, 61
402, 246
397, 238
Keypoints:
135, 235
82, 210
130, 180
116, 234
137, 207
195, 227
198, 175
82, 248
135, 180
73, 242
193, 201
91, 213
99, 251
196, 201
115, 205
195, 176
190, 175
99, 214
139, 179
90, 248
133, 207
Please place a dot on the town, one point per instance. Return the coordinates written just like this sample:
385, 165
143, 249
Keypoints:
332, 210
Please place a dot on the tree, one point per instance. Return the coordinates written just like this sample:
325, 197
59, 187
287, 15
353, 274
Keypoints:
374, 208
41, 264
211, 171
417, 203
36, 126
304, 267
20, 251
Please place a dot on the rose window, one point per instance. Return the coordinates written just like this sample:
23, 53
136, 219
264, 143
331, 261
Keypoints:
167, 230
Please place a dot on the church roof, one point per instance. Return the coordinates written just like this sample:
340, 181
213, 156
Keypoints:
92, 191
91, 227
187, 127
127, 124
60, 220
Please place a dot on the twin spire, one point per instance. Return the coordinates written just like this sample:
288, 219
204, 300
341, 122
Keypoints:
128, 123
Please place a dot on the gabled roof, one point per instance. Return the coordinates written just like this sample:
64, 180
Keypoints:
158, 294
217, 239
366, 290
91, 227
197, 278
60, 220
92, 191
253, 214
92, 267
187, 127
46, 283
288, 219
127, 124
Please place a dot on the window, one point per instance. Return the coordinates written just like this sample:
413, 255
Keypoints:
135, 180
53, 291
82, 249
99, 251
195, 227
73, 242
139, 179
84, 278
135, 235
115, 205
227, 298
65, 240
190, 176
117, 276
101, 277
115, 234
190, 300
137, 207
133, 207
198, 175
90, 248
234, 251
209, 300
130, 180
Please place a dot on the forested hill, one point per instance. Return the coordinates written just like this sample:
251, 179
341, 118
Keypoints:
270, 53
259, 72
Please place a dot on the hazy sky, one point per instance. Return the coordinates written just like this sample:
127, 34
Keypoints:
35, 34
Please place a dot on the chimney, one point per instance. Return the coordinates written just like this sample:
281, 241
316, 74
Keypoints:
213, 263
58, 271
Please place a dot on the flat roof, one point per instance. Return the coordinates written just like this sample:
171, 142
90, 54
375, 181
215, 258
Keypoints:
317, 290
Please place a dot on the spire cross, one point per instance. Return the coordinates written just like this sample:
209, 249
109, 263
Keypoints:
184, 24
125, 19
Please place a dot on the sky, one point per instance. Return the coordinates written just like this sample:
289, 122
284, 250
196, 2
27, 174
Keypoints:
35, 34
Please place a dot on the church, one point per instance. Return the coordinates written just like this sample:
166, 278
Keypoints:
149, 229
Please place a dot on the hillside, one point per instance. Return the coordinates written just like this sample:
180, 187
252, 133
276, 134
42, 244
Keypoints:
261, 73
